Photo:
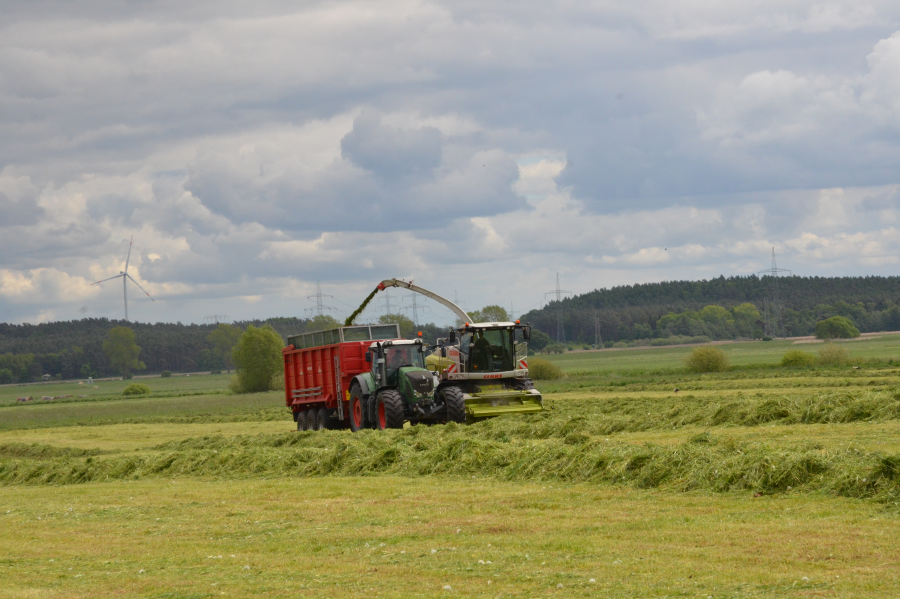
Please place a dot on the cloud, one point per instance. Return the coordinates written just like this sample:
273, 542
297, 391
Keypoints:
385, 179
253, 149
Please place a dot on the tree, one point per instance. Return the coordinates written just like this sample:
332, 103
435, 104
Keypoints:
257, 357
6, 376
836, 327
87, 372
492, 313
407, 327
208, 359
539, 340
224, 338
322, 322
746, 321
122, 351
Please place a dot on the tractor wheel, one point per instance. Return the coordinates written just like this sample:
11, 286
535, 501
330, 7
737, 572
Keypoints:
357, 410
454, 404
301, 421
322, 419
390, 409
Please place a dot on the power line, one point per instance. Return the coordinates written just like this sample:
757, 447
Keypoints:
320, 308
560, 293
776, 300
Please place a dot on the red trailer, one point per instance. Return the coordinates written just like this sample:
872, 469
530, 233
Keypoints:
318, 368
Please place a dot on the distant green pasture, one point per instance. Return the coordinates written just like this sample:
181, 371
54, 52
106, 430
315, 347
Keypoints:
158, 385
752, 354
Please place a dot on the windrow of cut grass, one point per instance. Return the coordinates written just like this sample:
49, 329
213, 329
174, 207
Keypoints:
702, 462
642, 413
43, 451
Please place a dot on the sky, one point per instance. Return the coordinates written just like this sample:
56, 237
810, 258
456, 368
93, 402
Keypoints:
257, 152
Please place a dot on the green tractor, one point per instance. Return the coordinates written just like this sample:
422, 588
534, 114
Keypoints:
399, 388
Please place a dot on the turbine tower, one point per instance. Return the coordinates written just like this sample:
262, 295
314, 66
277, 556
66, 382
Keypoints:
125, 276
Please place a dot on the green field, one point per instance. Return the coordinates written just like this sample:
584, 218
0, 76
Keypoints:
760, 481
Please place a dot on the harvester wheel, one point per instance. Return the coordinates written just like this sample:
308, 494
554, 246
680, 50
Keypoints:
322, 419
301, 420
454, 404
524, 384
390, 409
357, 410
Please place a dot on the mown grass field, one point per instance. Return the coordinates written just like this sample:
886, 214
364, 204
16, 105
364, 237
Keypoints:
757, 482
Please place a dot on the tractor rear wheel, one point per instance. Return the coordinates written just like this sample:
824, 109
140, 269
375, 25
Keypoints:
390, 409
357, 410
301, 420
322, 419
454, 404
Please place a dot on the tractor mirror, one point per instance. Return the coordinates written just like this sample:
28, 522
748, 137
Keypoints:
368, 356
452, 336
526, 333
443, 352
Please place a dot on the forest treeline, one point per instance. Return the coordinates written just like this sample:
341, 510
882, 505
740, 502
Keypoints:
654, 313
675, 309
74, 349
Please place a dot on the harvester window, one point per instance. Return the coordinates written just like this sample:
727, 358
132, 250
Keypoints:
492, 351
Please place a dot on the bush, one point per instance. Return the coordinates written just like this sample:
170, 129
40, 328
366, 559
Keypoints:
836, 327
832, 354
127, 376
257, 357
554, 348
136, 389
706, 359
795, 357
543, 370
165, 374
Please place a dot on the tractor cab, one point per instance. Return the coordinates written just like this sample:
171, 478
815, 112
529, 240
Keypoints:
400, 364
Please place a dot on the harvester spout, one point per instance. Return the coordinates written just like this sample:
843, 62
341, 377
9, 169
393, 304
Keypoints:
459, 312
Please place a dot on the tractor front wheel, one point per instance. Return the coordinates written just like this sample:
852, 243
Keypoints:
357, 410
389, 411
454, 404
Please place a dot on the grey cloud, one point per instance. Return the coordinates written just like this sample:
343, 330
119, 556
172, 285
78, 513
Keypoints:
23, 212
881, 201
391, 152
391, 180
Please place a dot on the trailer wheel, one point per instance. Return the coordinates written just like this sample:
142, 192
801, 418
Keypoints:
312, 421
390, 409
322, 419
454, 404
301, 421
357, 410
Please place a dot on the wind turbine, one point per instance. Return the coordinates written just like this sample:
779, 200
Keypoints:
125, 276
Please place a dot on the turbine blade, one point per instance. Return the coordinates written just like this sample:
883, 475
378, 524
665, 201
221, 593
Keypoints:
139, 286
129, 254
109, 279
